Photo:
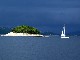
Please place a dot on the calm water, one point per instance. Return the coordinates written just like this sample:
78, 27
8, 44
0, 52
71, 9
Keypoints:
39, 48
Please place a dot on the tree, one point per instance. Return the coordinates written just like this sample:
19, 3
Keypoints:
25, 29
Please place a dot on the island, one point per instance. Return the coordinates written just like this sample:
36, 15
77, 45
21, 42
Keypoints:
24, 30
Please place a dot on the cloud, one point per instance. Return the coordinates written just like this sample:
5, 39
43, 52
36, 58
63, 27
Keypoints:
41, 13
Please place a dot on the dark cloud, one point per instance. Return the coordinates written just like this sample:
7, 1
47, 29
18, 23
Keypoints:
40, 13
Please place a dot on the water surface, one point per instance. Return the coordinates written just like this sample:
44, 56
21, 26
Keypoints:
39, 48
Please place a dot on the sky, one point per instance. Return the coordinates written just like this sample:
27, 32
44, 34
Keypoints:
46, 15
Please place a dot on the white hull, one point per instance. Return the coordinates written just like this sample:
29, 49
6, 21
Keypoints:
64, 37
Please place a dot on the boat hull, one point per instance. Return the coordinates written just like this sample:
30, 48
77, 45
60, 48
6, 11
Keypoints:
64, 37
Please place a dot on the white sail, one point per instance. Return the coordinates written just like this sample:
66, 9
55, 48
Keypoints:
63, 34
64, 29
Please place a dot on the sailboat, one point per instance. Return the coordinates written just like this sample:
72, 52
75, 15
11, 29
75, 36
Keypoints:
63, 35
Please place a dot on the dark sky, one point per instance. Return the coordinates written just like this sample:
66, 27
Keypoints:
46, 15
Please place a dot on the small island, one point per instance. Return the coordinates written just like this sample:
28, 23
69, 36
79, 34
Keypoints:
24, 31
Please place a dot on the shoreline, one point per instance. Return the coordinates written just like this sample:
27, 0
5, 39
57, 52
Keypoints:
22, 34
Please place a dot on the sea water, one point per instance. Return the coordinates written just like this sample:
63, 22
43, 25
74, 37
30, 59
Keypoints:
39, 48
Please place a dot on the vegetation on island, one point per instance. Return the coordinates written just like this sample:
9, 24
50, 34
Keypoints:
25, 29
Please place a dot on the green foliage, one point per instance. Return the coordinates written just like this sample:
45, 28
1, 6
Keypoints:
25, 29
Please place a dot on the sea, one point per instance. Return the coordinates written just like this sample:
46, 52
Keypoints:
40, 48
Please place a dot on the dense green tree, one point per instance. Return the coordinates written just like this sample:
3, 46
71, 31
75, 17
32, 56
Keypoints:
25, 29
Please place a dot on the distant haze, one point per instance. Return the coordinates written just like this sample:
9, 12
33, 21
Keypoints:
46, 15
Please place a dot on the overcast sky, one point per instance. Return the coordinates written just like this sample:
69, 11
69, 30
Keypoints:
46, 15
